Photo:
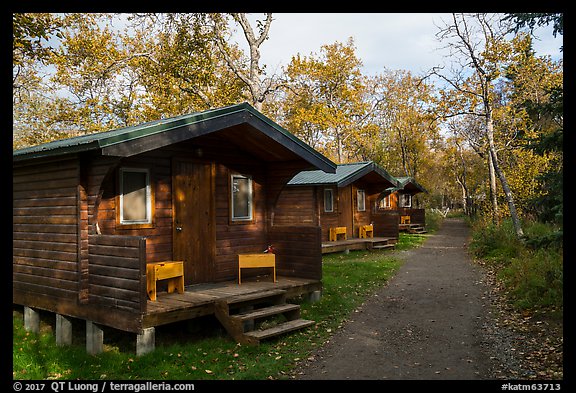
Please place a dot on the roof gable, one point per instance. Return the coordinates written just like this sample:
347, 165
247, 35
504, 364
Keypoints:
410, 184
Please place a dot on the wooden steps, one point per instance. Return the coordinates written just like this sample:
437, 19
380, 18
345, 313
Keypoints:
413, 228
280, 329
417, 229
358, 244
243, 315
383, 246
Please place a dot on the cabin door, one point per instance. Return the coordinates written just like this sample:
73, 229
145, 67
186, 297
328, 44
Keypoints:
345, 212
194, 229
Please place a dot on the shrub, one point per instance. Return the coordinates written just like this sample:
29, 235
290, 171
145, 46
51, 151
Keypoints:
495, 243
535, 280
531, 270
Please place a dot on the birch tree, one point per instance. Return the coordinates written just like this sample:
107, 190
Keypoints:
253, 76
480, 46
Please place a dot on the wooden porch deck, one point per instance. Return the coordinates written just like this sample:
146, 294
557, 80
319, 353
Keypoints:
200, 299
358, 244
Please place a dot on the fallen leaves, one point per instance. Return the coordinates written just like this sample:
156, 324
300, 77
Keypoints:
528, 344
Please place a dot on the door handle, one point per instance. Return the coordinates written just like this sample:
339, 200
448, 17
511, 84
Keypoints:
179, 229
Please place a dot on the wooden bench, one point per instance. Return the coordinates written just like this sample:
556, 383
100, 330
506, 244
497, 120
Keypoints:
366, 231
404, 220
255, 261
173, 271
334, 232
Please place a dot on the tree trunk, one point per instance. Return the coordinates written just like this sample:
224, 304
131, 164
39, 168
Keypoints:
502, 177
493, 190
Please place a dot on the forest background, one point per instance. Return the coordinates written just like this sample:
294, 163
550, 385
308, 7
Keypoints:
482, 132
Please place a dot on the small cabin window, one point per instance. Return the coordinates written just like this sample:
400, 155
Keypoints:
406, 200
328, 200
384, 203
135, 196
241, 198
361, 196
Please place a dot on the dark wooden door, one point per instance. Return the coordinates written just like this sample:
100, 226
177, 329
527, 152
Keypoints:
345, 212
194, 229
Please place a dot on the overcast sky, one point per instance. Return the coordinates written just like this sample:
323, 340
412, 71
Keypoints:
393, 40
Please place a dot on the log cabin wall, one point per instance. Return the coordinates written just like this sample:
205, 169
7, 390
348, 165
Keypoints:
417, 216
297, 206
231, 238
351, 218
46, 235
298, 251
361, 217
386, 223
117, 272
328, 219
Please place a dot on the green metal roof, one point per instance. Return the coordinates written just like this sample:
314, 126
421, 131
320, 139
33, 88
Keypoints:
403, 182
195, 124
345, 174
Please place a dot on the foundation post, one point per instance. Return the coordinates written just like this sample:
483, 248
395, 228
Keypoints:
31, 320
63, 330
145, 341
94, 338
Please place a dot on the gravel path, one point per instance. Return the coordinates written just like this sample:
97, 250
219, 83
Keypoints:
426, 323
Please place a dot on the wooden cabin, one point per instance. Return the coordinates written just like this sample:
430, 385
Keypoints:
401, 199
343, 204
94, 213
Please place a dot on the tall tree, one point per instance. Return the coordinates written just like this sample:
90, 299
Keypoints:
480, 44
408, 130
324, 98
254, 76
536, 85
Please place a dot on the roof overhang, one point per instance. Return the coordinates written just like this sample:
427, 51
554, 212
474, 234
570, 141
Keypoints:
239, 123
345, 175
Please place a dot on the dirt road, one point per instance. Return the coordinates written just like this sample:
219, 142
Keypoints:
424, 324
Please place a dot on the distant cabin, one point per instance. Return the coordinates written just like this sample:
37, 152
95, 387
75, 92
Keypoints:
347, 199
401, 199
91, 212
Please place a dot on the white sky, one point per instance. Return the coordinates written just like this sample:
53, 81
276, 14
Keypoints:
393, 40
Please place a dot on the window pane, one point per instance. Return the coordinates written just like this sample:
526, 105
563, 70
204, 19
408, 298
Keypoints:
361, 200
406, 200
241, 197
384, 202
134, 204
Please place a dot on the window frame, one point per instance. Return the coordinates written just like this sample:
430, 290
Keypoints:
150, 200
245, 219
409, 198
386, 204
331, 192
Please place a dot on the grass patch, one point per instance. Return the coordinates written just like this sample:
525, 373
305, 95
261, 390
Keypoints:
200, 349
407, 241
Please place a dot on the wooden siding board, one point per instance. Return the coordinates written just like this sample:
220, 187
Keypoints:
49, 283
47, 263
34, 293
116, 271
290, 243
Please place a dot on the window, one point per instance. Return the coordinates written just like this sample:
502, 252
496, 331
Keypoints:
241, 198
361, 196
135, 196
406, 200
384, 203
328, 200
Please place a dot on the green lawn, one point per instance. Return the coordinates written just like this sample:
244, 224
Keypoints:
201, 349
